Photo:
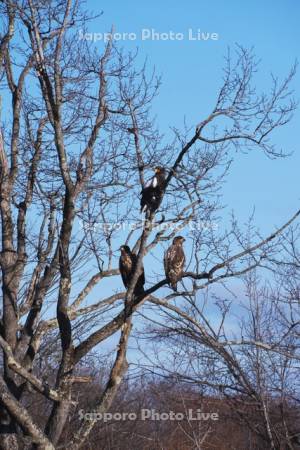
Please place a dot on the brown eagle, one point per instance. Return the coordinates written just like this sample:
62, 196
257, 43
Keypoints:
174, 261
127, 265
153, 192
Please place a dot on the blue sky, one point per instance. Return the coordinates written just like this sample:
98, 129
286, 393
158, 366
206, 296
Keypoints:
191, 73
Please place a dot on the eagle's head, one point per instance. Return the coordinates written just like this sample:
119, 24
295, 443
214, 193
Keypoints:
178, 240
124, 249
159, 170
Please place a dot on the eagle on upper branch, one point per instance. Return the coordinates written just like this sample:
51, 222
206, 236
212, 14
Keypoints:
153, 192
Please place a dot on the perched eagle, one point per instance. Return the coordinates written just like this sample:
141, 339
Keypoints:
174, 261
153, 192
127, 265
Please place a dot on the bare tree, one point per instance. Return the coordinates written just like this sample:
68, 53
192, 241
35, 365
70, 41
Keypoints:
76, 146
247, 353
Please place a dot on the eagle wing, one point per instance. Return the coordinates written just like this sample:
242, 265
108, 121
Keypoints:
178, 261
148, 194
125, 266
152, 193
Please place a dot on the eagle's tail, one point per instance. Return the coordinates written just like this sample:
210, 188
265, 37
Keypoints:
174, 286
